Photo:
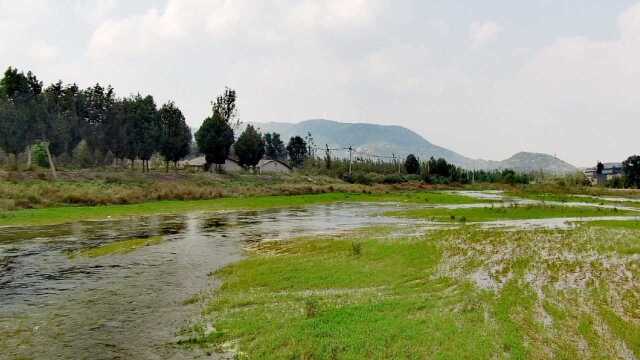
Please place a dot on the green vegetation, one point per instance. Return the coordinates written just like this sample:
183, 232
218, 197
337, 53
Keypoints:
450, 294
476, 214
613, 224
49, 216
118, 247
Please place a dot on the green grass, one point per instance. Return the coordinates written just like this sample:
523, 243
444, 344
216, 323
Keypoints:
615, 224
414, 298
507, 213
50, 216
118, 247
319, 299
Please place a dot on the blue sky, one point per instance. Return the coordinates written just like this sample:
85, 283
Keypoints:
484, 78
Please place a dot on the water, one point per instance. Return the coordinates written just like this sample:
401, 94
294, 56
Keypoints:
132, 306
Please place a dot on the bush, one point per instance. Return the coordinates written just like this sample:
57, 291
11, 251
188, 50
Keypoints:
356, 248
40, 155
361, 178
617, 182
394, 179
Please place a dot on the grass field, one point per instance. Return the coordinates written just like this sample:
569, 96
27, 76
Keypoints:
57, 215
451, 294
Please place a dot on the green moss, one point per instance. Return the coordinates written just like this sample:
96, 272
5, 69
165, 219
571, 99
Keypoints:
118, 247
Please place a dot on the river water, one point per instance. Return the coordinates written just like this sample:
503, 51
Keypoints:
132, 306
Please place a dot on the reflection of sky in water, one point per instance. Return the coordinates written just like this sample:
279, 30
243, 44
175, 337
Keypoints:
129, 305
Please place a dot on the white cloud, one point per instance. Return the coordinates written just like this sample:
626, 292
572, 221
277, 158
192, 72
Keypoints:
403, 63
331, 14
482, 33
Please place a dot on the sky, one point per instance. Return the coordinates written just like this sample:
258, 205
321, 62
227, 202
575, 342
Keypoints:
484, 78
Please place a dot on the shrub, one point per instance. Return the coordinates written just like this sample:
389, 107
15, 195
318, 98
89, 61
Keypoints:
394, 179
40, 155
360, 178
356, 248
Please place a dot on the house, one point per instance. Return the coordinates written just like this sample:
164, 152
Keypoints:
265, 166
229, 165
608, 172
270, 166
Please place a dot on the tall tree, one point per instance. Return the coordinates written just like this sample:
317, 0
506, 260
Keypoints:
95, 112
18, 87
63, 128
13, 129
116, 131
148, 129
297, 150
274, 147
249, 147
23, 91
214, 139
225, 106
631, 168
411, 164
175, 135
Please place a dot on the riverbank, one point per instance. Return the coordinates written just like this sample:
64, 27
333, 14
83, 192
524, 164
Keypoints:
60, 215
451, 293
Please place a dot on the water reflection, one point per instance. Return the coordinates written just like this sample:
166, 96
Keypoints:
53, 305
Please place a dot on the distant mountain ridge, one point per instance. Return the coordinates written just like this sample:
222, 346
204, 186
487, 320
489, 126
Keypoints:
393, 139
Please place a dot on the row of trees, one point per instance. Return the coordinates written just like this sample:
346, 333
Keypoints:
60, 117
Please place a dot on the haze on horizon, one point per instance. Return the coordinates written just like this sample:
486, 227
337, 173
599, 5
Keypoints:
486, 79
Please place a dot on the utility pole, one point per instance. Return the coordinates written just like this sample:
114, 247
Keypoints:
394, 159
328, 157
350, 152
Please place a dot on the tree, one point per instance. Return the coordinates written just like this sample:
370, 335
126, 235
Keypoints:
249, 147
64, 101
140, 120
214, 139
23, 91
147, 129
19, 88
274, 147
297, 150
175, 135
311, 145
631, 169
327, 157
412, 165
225, 106
599, 168
95, 112
13, 129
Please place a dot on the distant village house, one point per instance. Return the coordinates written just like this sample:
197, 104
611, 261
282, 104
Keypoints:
265, 166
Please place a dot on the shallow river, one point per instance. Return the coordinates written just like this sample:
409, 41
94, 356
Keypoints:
131, 306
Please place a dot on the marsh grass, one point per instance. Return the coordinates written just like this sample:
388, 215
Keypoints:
481, 214
544, 294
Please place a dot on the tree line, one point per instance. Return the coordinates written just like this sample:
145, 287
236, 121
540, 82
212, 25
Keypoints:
61, 117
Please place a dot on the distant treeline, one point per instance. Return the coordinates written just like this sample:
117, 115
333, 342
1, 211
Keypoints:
61, 117
95, 127
432, 171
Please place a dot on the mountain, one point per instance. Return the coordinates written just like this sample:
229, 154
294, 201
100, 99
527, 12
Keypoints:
391, 139
526, 161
